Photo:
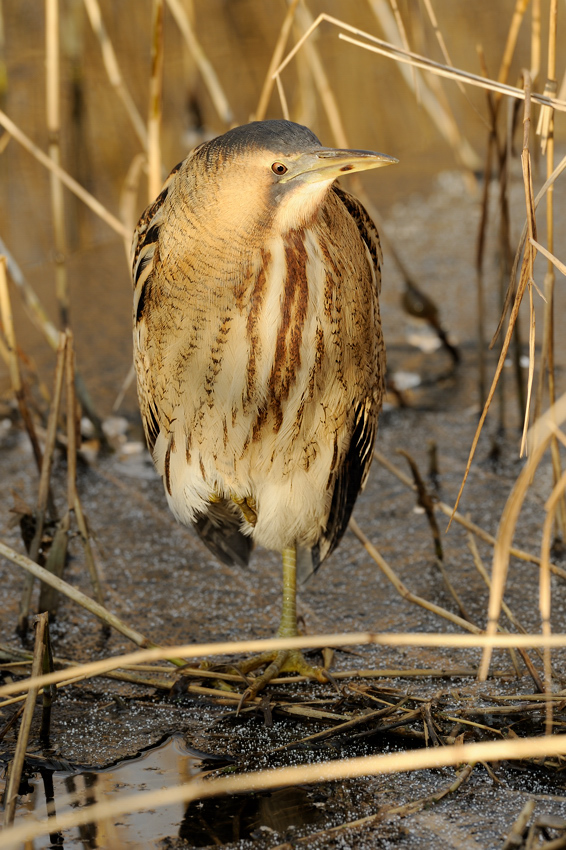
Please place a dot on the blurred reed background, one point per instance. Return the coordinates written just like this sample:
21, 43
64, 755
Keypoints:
114, 134
99, 141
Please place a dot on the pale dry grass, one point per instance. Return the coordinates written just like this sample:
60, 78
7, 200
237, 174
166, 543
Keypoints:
545, 433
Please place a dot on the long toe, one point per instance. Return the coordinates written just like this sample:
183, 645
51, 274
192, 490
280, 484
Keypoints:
285, 661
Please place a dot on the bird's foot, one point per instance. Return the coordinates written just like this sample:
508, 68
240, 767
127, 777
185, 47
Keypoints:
284, 661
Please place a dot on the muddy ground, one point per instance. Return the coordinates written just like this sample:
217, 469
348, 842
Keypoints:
160, 580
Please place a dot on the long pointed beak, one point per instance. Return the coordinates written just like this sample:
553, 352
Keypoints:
325, 164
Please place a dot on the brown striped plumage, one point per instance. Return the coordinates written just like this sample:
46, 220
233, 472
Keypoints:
257, 340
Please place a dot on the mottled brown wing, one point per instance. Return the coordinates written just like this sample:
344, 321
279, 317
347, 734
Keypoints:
354, 470
219, 528
366, 227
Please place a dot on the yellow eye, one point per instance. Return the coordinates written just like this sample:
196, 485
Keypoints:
279, 168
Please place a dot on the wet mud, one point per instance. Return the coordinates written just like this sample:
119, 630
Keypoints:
109, 737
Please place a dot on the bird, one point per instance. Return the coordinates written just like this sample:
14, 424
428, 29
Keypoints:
259, 351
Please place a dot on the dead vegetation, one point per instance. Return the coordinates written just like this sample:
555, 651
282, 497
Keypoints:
482, 728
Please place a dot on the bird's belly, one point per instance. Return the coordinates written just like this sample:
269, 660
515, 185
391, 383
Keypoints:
266, 407
282, 459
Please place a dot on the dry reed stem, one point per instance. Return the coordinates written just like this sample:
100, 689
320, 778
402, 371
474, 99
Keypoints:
541, 435
546, 130
379, 4
73, 500
512, 35
425, 501
53, 108
447, 59
113, 70
229, 699
44, 482
550, 257
523, 280
507, 611
14, 368
438, 112
284, 105
11, 793
511, 288
478, 563
198, 789
463, 521
66, 178
209, 76
551, 507
129, 198
515, 837
392, 639
31, 302
396, 53
401, 588
530, 253
385, 812
535, 39
275, 60
72, 593
305, 21
155, 178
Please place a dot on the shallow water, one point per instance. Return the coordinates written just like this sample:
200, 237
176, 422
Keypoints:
61, 791
200, 824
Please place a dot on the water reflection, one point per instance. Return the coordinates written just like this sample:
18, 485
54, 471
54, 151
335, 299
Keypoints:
218, 821
201, 823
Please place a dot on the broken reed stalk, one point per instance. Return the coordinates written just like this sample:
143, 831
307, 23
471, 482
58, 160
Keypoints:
16, 766
403, 590
113, 70
515, 837
275, 60
155, 177
462, 520
44, 482
73, 500
198, 789
541, 433
53, 107
425, 501
208, 74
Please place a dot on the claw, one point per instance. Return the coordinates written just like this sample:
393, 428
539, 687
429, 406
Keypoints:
284, 661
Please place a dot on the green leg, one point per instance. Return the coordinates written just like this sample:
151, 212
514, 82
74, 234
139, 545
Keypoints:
288, 624
286, 660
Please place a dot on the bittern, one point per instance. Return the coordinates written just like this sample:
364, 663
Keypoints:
258, 348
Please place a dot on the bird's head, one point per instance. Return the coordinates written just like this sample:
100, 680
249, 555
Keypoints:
274, 172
